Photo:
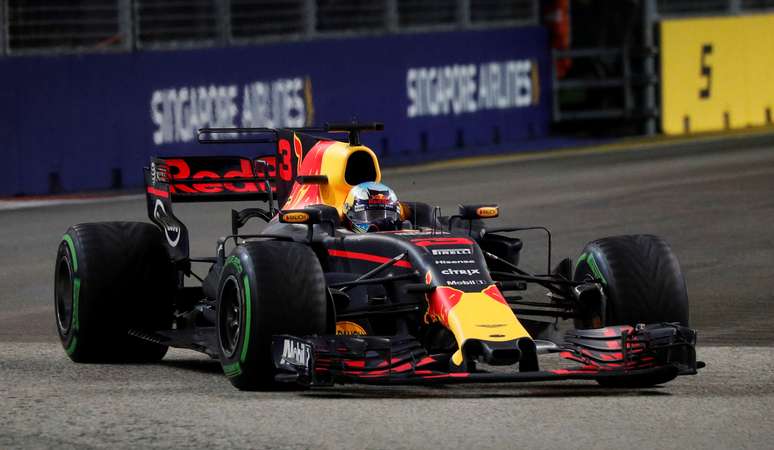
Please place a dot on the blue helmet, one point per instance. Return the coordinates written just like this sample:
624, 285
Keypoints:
372, 206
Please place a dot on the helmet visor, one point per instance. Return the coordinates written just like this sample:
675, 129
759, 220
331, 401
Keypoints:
372, 215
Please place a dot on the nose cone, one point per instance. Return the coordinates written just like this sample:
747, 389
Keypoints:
481, 316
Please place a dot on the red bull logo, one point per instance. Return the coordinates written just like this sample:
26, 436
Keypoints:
379, 198
440, 302
493, 292
307, 194
444, 298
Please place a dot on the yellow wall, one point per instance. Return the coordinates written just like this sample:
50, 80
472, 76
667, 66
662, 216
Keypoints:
741, 65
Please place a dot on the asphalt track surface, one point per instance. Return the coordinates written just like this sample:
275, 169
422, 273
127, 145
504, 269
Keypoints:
715, 204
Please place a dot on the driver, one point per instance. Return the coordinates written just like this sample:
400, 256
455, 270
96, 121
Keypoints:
372, 206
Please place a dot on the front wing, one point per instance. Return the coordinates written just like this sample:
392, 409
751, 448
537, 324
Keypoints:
621, 355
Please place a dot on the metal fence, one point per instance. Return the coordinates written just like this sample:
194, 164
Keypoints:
671, 8
31, 24
57, 26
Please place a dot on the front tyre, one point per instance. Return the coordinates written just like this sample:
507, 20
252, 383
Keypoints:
641, 278
266, 288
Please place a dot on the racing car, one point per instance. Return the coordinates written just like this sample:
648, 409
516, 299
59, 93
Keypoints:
305, 301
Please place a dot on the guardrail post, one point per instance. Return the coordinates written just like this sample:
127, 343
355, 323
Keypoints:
463, 13
627, 80
310, 17
649, 16
536, 12
391, 16
125, 24
223, 11
3, 28
557, 114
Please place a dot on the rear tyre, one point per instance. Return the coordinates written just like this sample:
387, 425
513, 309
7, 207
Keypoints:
643, 283
111, 277
266, 288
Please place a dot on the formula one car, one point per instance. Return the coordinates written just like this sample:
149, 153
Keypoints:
442, 299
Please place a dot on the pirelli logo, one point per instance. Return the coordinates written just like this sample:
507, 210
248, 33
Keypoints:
451, 251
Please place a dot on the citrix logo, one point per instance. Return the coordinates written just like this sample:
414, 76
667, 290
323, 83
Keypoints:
461, 272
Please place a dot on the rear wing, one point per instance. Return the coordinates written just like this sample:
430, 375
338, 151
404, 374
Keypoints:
211, 178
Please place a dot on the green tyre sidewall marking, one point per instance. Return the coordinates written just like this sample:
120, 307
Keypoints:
233, 260
595, 269
248, 318
232, 370
588, 258
235, 368
75, 325
581, 259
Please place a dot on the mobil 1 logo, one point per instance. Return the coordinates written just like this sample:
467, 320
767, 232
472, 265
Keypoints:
458, 267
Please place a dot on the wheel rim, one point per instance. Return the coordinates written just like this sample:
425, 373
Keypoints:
230, 316
63, 294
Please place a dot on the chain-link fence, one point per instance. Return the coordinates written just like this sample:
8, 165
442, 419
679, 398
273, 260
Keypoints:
671, 8
186, 22
55, 26
60, 24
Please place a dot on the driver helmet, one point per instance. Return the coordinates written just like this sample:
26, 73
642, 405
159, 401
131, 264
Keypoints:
372, 206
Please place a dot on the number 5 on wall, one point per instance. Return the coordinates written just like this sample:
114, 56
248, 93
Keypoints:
706, 71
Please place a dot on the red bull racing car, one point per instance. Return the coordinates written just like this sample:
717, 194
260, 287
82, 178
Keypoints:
440, 299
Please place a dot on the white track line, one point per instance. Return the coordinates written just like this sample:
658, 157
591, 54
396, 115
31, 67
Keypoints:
11, 205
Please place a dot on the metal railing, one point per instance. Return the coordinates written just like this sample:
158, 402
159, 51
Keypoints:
35, 25
256, 19
676, 8
160, 22
493, 11
623, 81
60, 26
420, 13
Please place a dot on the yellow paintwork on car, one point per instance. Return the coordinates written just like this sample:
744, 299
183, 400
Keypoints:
332, 162
479, 316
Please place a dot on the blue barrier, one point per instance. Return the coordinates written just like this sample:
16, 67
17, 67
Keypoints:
75, 123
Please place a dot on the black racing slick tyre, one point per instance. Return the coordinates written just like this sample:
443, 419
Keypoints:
111, 277
641, 278
266, 288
